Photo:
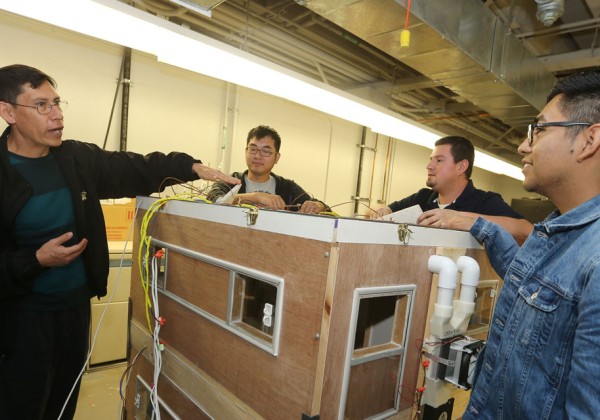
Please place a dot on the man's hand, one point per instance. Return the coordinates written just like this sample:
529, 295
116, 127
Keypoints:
54, 254
260, 198
448, 219
211, 174
314, 207
379, 212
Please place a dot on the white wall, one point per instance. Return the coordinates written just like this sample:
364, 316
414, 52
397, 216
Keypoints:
172, 109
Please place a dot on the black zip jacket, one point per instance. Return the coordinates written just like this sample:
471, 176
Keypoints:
288, 190
91, 174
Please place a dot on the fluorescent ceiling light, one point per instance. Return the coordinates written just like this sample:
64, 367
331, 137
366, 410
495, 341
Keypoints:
492, 164
116, 22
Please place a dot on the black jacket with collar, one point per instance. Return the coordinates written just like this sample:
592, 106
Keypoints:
291, 193
91, 174
471, 200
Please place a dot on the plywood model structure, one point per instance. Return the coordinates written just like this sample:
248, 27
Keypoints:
280, 315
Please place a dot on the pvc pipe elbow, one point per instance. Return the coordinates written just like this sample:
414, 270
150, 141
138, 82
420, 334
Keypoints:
469, 271
446, 269
469, 278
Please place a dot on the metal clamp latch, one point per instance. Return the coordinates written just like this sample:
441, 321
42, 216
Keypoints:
404, 233
251, 216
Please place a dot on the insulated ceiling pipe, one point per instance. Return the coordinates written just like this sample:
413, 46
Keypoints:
549, 11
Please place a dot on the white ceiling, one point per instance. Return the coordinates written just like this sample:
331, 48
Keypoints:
481, 69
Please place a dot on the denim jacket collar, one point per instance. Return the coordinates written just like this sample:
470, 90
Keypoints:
581, 215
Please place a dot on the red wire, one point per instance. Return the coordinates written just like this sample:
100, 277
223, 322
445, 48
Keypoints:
407, 14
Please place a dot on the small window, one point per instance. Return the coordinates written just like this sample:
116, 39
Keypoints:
485, 299
254, 306
377, 319
381, 320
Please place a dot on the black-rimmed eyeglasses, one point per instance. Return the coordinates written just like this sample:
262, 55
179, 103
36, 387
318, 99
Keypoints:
44, 108
263, 152
534, 128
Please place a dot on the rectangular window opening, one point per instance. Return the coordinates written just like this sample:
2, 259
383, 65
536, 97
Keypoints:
485, 299
381, 317
254, 306
381, 320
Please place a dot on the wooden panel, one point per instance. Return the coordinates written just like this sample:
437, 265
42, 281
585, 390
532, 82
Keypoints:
319, 283
372, 388
183, 407
370, 266
201, 284
284, 386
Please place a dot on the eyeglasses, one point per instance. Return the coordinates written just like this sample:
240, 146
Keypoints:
534, 128
263, 152
44, 108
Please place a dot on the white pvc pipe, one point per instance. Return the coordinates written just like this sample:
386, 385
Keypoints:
469, 279
447, 272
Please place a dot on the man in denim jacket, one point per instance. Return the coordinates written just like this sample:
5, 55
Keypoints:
541, 358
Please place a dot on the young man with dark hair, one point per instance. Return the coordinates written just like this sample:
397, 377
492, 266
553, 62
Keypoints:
53, 246
451, 190
261, 186
540, 360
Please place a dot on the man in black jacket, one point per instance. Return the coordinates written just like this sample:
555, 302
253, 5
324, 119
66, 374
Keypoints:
452, 195
260, 186
53, 247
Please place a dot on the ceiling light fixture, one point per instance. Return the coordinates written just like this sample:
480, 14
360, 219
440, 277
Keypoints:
116, 22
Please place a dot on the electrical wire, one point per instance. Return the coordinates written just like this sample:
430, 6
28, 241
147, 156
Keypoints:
186, 197
110, 298
157, 346
124, 382
149, 267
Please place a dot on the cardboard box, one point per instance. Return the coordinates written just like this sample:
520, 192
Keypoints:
118, 217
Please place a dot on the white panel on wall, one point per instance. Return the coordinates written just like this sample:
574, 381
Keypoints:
170, 108
84, 69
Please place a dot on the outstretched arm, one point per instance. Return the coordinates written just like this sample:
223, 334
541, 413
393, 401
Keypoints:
379, 212
461, 220
212, 174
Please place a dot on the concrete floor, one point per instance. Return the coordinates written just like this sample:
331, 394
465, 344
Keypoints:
99, 397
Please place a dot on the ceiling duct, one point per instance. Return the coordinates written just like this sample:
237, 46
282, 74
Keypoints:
459, 44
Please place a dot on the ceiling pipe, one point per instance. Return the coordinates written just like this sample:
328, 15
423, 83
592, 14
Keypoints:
157, 8
549, 11
566, 28
274, 36
334, 30
264, 39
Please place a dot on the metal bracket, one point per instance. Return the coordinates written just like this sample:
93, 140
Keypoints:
362, 146
404, 233
251, 216
360, 198
438, 359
